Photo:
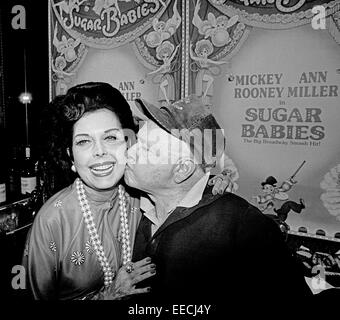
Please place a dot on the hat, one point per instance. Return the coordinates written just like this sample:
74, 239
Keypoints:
193, 122
270, 180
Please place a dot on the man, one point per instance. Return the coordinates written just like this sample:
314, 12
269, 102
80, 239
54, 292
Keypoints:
206, 247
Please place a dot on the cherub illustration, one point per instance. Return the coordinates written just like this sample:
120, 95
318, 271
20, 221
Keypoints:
273, 193
62, 78
163, 30
204, 78
66, 47
67, 5
216, 28
166, 52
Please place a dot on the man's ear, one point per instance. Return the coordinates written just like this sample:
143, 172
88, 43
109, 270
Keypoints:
183, 170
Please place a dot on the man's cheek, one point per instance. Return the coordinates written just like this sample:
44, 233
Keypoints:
141, 158
133, 155
158, 155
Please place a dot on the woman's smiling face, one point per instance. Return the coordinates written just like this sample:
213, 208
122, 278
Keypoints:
99, 149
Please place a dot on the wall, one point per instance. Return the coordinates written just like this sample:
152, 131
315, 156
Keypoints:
241, 42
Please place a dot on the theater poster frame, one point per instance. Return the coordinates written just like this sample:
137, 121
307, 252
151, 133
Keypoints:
270, 72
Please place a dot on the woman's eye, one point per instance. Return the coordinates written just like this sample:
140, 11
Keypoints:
111, 138
82, 142
116, 137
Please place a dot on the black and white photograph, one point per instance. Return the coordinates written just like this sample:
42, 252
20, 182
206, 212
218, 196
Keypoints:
179, 159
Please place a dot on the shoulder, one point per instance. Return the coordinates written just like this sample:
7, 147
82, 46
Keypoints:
231, 206
232, 200
57, 205
251, 224
252, 230
228, 203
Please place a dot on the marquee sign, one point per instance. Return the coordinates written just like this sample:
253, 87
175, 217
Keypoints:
106, 23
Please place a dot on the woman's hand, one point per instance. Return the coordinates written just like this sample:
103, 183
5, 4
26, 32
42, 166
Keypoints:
125, 282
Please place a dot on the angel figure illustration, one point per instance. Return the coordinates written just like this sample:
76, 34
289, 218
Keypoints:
205, 77
66, 47
163, 30
166, 52
62, 77
216, 28
274, 194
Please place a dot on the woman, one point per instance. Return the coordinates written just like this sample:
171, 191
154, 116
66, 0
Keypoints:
78, 234
84, 234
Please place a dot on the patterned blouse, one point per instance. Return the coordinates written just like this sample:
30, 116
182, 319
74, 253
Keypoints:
59, 257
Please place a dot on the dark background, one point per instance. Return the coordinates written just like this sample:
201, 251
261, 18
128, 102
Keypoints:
34, 41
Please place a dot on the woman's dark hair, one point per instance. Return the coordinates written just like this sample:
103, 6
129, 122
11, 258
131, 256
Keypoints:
64, 111
92, 96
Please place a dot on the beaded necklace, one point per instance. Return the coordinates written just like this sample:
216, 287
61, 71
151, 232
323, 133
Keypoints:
109, 274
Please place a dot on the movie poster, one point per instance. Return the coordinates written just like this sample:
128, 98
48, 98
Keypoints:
269, 68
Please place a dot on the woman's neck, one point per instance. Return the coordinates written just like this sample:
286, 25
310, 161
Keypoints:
100, 195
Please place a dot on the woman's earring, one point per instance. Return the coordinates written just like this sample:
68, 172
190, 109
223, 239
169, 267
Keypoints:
73, 168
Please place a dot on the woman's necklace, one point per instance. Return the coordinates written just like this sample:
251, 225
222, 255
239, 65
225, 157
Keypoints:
109, 274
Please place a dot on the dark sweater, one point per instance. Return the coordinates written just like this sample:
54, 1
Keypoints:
221, 249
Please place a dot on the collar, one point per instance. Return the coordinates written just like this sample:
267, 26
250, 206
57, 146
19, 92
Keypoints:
99, 197
192, 198
195, 194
